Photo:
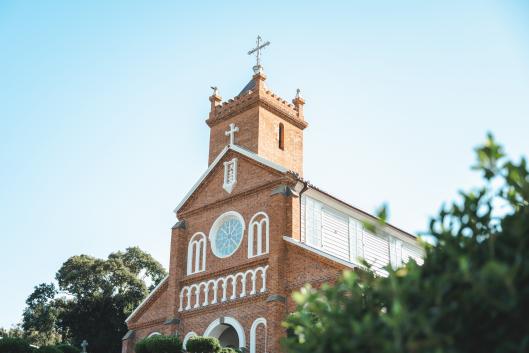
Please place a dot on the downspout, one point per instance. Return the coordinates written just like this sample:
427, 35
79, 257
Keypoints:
305, 187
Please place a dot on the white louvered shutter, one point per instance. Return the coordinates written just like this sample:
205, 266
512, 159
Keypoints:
376, 252
412, 252
335, 233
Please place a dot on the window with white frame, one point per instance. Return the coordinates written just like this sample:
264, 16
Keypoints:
230, 175
258, 235
196, 254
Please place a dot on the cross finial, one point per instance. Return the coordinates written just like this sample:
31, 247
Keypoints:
231, 133
84, 344
257, 50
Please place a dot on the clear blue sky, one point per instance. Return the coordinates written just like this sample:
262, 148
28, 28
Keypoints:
102, 108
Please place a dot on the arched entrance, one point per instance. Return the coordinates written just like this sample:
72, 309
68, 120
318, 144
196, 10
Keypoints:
227, 335
229, 332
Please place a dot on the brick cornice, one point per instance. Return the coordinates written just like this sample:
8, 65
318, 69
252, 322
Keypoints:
264, 99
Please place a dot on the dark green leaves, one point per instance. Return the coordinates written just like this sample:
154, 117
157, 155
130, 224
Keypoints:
14, 345
96, 296
471, 294
488, 156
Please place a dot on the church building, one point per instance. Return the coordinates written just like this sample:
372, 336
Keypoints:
252, 230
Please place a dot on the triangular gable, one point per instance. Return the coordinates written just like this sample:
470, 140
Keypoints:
150, 299
245, 153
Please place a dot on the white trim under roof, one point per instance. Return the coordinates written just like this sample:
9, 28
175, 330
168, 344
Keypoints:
146, 299
225, 150
321, 253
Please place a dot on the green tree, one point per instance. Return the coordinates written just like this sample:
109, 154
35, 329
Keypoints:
93, 299
13, 332
470, 295
41, 316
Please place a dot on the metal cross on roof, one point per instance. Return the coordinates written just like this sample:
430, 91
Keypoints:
257, 51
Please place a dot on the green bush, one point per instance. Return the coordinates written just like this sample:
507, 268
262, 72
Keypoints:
200, 344
67, 348
228, 350
14, 345
159, 344
48, 349
470, 295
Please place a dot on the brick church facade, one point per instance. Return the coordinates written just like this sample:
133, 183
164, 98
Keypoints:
252, 230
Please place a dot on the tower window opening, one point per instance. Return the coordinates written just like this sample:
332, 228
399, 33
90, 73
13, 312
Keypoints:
281, 136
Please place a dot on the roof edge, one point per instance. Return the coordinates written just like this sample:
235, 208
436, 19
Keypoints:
216, 161
318, 252
144, 301
365, 213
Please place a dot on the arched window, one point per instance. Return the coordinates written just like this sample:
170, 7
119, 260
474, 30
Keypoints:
258, 235
281, 136
154, 334
258, 339
196, 254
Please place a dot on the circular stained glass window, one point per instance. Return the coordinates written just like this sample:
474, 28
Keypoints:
226, 234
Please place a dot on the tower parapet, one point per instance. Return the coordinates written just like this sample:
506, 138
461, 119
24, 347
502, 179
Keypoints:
268, 124
257, 94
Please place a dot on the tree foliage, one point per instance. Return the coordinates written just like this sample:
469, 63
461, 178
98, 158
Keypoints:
92, 301
15, 332
41, 316
471, 294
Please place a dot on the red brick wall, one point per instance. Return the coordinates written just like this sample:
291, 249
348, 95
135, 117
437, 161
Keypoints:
291, 157
247, 137
289, 266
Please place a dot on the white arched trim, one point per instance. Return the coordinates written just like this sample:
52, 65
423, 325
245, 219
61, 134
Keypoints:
218, 223
187, 337
253, 337
258, 227
193, 292
196, 254
228, 320
156, 333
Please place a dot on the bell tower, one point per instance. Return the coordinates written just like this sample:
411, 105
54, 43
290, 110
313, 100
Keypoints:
259, 121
